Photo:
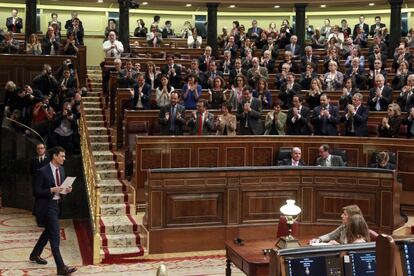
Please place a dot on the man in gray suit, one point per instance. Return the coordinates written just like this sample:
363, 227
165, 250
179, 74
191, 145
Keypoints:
249, 114
325, 159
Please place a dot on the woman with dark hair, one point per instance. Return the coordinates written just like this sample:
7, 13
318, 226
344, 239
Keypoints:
348, 92
141, 30
263, 94
340, 234
236, 92
151, 75
226, 123
163, 92
275, 120
216, 95
111, 27
390, 124
191, 92
235, 30
400, 79
71, 46
357, 230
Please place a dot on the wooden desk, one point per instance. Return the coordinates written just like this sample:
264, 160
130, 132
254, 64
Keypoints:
249, 257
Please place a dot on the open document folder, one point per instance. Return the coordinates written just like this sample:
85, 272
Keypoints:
67, 183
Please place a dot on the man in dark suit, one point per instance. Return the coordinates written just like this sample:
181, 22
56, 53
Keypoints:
202, 121
254, 32
173, 71
377, 27
47, 192
288, 90
294, 47
172, 116
325, 159
249, 114
356, 117
14, 23
77, 30
69, 22
67, 86
127, 76
296, 158
205, 59
364, 26
141, 95
46, 82
325, 118
298, 118
38, 161
309, 58
237, 70
406, 96
55, 20
381, 96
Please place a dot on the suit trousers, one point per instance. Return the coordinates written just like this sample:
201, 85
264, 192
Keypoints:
51, 234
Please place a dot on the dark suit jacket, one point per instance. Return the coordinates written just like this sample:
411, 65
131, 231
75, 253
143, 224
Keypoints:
35, 164
165, 124
300, 126
44, 180
78, 35
384, 101
314, 61
393, 131
298, 49
288, 162
174, 80
47, 45
233, 74
360, 121
250, 33
323, 125
373, 27
69, 24
254, 122
124, 82
336, 161
408, 123
18, 24
365, 27
145, 98
208, 124
286, 94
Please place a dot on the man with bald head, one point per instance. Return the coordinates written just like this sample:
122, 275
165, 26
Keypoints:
296, 158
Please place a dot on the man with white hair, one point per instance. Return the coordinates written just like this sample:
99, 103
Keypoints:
381, 96
294, 47
113, 47
405, 98
256, 72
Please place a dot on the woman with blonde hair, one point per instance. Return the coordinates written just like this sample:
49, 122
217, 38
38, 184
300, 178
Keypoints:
314, 94
390, 124
34, 47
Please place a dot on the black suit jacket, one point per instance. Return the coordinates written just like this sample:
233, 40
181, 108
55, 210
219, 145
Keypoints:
408, 122
373, 27
165, 125
174, 79
251, 31
145, 98
286, 95
323, 125
288, 162
297, 52
360, 122
254, 122
44, 180
304, 61
18, 24
365, 27
300, 126
384, 101
35, 164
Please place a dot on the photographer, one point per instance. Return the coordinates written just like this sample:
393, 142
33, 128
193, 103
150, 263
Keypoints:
67, 86
46, 82
65, 129
43, 114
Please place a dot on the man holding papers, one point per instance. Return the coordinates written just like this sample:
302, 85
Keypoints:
48, 189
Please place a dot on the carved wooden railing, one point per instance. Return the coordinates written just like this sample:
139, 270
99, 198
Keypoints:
91, 180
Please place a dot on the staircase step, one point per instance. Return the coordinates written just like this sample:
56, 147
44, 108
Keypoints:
115, 209
93, 110
106, 165
91, 99
117, 225
111, 186
95, 123
94, 117
100, 146
123, 252
108, 174
98, 138
114, 198
120, 240
98, 131
92, 105
103, 156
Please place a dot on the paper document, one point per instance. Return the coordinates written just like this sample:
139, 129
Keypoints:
67, 183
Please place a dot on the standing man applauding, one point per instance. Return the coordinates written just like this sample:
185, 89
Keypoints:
47, 190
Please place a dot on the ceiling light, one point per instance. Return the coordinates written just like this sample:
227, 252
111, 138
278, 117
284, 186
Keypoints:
188, 5
232, 6
323, 6
144, 3
100, 1
371, 4
276, 6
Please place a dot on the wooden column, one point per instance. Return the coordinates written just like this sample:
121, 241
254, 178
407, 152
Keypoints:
30, 21
300, 23
124, 23
395, 25
212, 27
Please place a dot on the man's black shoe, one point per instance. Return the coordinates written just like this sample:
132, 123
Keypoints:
38, 260
66, 270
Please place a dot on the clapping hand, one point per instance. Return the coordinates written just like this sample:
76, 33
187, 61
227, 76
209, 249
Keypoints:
167, 115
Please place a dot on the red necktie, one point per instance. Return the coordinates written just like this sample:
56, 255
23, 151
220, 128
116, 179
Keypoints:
14, 26
200, 125
58, 178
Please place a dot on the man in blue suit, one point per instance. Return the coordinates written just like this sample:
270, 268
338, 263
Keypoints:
326, 117
47, 191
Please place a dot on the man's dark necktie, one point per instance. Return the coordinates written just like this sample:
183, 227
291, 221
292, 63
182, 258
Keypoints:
58, 183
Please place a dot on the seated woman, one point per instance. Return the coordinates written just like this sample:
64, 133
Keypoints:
382, 161
339, 235
194, 40
151, 75
226, 123
390, 124
275, 121
216, 95
263, 94
191, 92
356, 230
236, 92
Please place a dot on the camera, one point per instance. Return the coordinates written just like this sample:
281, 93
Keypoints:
45, 106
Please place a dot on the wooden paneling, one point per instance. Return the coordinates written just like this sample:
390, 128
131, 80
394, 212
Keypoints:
245, 202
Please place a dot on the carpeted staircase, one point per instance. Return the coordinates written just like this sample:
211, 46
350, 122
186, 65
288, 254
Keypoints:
119, 230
